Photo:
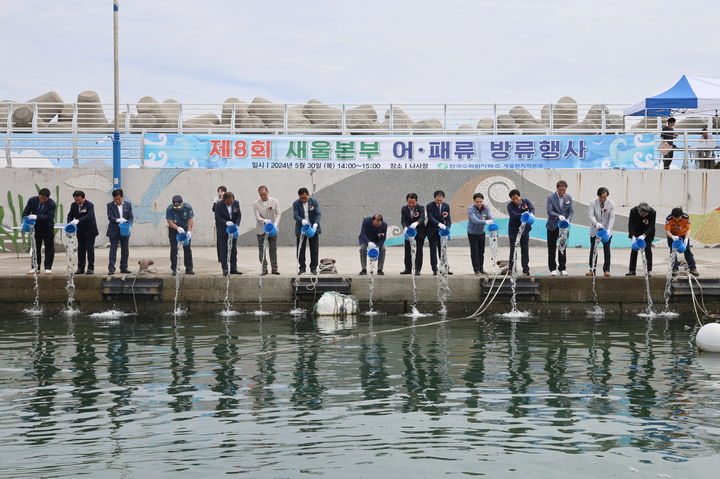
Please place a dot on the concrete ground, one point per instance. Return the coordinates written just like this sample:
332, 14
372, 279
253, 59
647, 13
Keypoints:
348, 260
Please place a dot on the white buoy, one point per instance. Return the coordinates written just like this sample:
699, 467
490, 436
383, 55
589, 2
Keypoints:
332, 303
708, 338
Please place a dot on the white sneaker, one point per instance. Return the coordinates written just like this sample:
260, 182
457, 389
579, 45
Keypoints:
48, 271
554, 273
563, 273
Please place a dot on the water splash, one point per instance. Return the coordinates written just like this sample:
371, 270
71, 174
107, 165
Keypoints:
443, 285
413, 270
260, 312
263, 264
176, 310
514, 312
371, 286
298, 311
493, 249
70, 311
110, 314
71, 247
36, 308
597, 310
668, 279
649, 313
415, 314
227, 311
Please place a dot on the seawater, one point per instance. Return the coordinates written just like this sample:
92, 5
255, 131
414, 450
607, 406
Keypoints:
148, 396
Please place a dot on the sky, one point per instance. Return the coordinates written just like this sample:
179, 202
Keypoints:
368, 51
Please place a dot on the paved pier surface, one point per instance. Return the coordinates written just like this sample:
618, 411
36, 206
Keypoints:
207, 286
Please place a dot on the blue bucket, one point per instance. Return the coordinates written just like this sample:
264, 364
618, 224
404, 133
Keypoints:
308, 231
183, 238
493, 228
563, 224
640, 243
27, 223
445, 232
270, 229
231, 229
528, 218
373, 253
125, 229
679, 246
410, 233
70, 229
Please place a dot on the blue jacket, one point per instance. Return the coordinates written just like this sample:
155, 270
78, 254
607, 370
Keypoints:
437, 215
370, 233
222, 216
477, 219
554, 210
515, 212
85, 214
314, 214
113, 230
45, 222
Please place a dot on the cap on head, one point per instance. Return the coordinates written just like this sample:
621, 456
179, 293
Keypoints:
177, 199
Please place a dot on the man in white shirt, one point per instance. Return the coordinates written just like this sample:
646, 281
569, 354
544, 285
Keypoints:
267, 211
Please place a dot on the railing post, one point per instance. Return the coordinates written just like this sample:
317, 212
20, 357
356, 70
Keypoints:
603, 120
142, 150
495, 129
285, 118
686, 151
180, 119
552, 118
392, 119
343, 120
127, 118
232, 119
8, 137
444, 118
73, 127
35, 118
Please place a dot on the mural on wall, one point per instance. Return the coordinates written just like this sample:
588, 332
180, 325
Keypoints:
12, 238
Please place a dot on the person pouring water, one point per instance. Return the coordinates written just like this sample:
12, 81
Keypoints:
412, 215
306, 212
267, 212
601, 212
119, 212
516, 208
227, 215
641, 226
438, 215
373, 232
677, 229
179, 216
82, 216
559, 210
41, 210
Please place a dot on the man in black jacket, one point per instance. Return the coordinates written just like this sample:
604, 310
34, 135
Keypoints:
41, 209
227, 214
82, 215
119, 211
438, 216
413, 215
641, 224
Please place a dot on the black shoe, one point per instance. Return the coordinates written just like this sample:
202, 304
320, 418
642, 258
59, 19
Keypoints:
80, 271
174, 273
313, 271
189, 271
302, 271
526, 273
434, 273
380, 273
264, 272
417, 273
362, 272
482, 271
449, 272
234, 271
90, 271
125, 271
630, 273
225, 272
406, 272
111, 272
276, 272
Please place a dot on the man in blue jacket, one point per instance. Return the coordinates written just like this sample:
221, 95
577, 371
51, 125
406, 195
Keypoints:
82, 215
118, 212
42, 209
306, 211
373, 232
227, 214
515, 208
438, 215
559, 208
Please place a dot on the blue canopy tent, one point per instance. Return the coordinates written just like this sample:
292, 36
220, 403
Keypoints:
690, 94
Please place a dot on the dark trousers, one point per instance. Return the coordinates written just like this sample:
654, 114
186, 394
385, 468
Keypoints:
222, 250
552, 238
187, 252
314, 251
86, 249
124, 242
477, 251
48, 239
648, 255
435, 244
419, 242
689, 256
667, 159
606, 255
524, 250
272, 247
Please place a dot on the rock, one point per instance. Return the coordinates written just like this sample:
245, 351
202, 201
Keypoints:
565, 112
49, 105
317, 112
692, 124
486, 125
66, 113
250, 124
649, 123
524, 119
545, 114
363, 117
144, 121
4, 110
466, 130
170, 110
90, 114
614, 122
328, 127
203, 122
297, 123
241, 109
270, 113
429, 126
506, 125
401, 121
22, 115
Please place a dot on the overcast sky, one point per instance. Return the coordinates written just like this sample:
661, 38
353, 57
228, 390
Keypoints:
529, 51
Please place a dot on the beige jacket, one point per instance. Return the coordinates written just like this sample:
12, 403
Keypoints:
272, 212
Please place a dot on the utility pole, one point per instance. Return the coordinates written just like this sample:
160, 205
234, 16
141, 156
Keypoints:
117, 160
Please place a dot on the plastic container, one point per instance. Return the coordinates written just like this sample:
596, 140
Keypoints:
373, 253
410, 233
125, 229
528, 218
603, 235
640, 243
493, 228
563, 224
444, 233
232, 230
679, 246
270, 229
182, 238
70, 229
308, 231
27, 223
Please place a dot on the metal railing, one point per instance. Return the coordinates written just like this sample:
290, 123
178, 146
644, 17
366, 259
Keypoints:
320, 118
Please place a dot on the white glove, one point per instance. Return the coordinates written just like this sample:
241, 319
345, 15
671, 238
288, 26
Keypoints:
489, 222
687, 240
442, 226
120, 220
267, 221
599, 226
414, 225
305, 222
275, 225
75, 222
371, 245
609, 233
642, 237
675, 238
405, 231
32, 217
180, 230
189, 234
561, 218
315, 226
229, 223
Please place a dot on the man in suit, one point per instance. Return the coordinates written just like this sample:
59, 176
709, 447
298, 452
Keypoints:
180, 219
119, 211
267, 210
41, 209
227, 214
82, 215
515, 208
641, 224
306, 211
413, 215
559, 208
438, 216
373, 232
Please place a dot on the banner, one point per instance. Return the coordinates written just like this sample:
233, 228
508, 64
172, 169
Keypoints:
370, 152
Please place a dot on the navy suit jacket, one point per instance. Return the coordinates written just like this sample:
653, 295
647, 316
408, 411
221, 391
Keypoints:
113, 230
45, 222
222, 216
408, 217
437, 215
368, 232
515, 212
554, 210
85, 214
314, 214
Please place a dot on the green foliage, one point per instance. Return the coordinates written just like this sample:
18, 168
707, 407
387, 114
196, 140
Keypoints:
11, 236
